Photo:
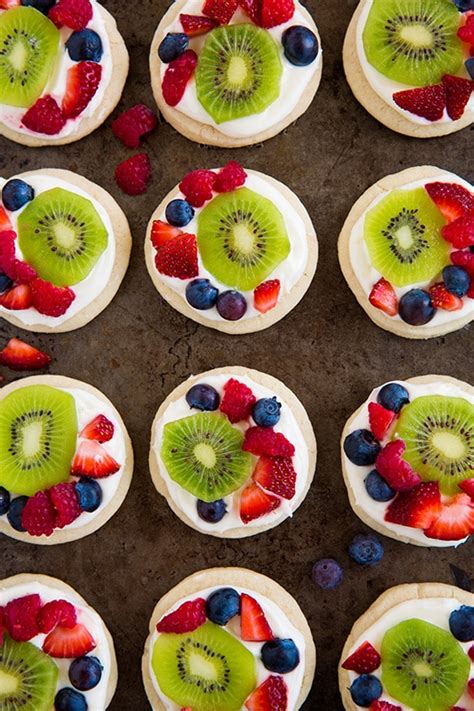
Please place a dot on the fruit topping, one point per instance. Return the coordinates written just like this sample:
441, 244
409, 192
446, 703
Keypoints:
43, 6
237, 401
384, 297
252, 8
253, 623
56, 612
66, 503
212, 512
17, 299
197, 186
266, 412
300, 45
5, 499
254, 503
417, 508
133, 174
265, 441
15, 194
272, 695
49, 299
428, 102
195, 25
89, 494
466, 32
162, 232
75, 14
276, 12
18, 355
327, 573
276, 474
456, 280
172, 46
458, 92
221, 11
380, 420
469, 64
45, 116
280, 656
68, 699
131, 126
395, 470
456, 520
265, 296
38, 517
5, 224
20, 617
24, 273
441, 298
5, 283
366, 549
222, 605
365, 689
460, 233
100, 429
85, 46
361, 448
231, 305
451, 199
415, 307
201, 294
203, 397
230, 177
68, 642
187, 618
15, 511
377, 488
364, 660
461, 624
464, 260
468, 487
91, 459
85, 673
178, 258
385, 706
177, 75
179, 213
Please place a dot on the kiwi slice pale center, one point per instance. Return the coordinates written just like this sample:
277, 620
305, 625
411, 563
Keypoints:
417, 35
237, 72
449, 445
9, 683
33, 439
201, 666
205, 455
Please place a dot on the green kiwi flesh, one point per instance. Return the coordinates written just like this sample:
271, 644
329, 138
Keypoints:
207, 670
242, 238
413, 41
28, 677
203, 453
38, 434
29, 44
423, 666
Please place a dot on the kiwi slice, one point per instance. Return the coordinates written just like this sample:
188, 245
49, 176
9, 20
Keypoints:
38, 433
238, 72
403, 237
62, 236
29, 45
242, 238
413, 41
207, 670
203, 453
28, 677
423, 666
439, 435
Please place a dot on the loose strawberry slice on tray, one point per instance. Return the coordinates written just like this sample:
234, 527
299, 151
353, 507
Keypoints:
177, 75
276, 474
460, 233
417, 508
456, 520
253, 623
272, 695
17, 299
221, 11
384, 297
83, 80
100, 429
264, 440
396, 471
162, 232
18, 355
195, 25
69, 642
364, 660
238, 401
451, 199
188, 617
91, 459
265, 296
380, 420
179, 258
45, 116
254, 503
458, 92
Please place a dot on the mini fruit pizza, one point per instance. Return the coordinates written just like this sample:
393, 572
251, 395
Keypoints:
413, 650
232, 249
410, 64
407, 252
66, 460
235, 72
64, 250
228, 638
408, 461
233, 452
55, 650
63, 66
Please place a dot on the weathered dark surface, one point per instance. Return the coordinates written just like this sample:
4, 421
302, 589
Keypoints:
327, 350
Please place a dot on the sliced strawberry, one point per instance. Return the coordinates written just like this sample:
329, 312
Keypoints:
384, 706
253, 623
18, 355
460, 232
100, 429
254, 503
49, 299
468, 486
383, 297
17, 299
428, 102
417, 508
83, 80
220, 10
45, 116
69, 642
56, 612
380, 420
91, 459
272, 695
364, 660
162, 232
265, 296
451, 199
276, 474
464, 260
6, 4
276, 12
238, 401
179, 258
470, 688
177, 75
264, 440
20, 617
195, 25
253, 8
466, 32
458, 92
188, 617
5, 224
396, 471
456, 520
441, 298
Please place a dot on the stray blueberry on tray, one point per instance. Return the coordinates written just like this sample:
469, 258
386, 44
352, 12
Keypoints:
85, 673
377, 488
366, 549
203, 397
366, 689
461, 623
4, 500
16, 193
231, 305
415, 307
70, 700
300, 45
85, 45
222, 605
280, 656
89, 493
327, 573
361, 447
200, 294
179, 213
266, 412
172, 46
456, 280
212, 512
393, 396
14, 512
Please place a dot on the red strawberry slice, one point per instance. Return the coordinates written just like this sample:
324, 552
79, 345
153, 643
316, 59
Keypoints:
17, 299
6, 4
44, 116
464, 260
195, 25
91, 459
451, 199
253, 623
5, 224
162, 232
220, 10
276, 12
441, 298
272, 695
396, 472
380, 420
364, 660
456, 520
56, 612
238, 401
197, 186
230, 177
264, 440
49, 299
66, 503
265, 296
466, 32
100, 429
384, 706
83, 80
468, 487
383, 297
69, 642
428, 102
470, 688
188, 617
417, 508
75, 14
18, 355
20, 617
458, 92
253, 8
276, 474
177, 75
254, 503
38, 517
179, 258
460, 232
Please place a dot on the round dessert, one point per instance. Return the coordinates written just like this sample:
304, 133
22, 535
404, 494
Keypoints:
233, 452
408, 460
228, 638
233, 73
64, 250
411, 651
406, 251
66, 460
409, 64
55, 650
232, 249
63, 66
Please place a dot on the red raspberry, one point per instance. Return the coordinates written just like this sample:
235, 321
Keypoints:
49, 299
7, 253
133, 124
177, 75
57, 612
238, 401
264, 440
197, 186
188, 617
20, 617
66, 503
75, 14
231, 176
83, 80
24, 273
133, 175
178, 258
38, 517
44, 117
276, 12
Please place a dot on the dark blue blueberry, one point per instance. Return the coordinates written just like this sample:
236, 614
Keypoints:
85, 46
16, 193
85, 673
327, 573
203, 397
179, 213
201, 294
461, 623
70, 700
365, 690
43, 6
464, 5
213, 512
366, 549
4, 500
266, 412
469, 64
393, 396
415, 307
90, 495
5, 283
14, 512
222, 605
361, 447
300, 45
280, 656
172, 46
231, 305
456, 280
377, 487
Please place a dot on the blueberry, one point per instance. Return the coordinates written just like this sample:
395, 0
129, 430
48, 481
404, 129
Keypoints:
201, 294
16, 193
69, 700
365, 690
203, 397
231, 305
280, 656
393, 396
4, 501
85, 673
179, 213
14, 512
266, 412
172, 46
89, 492
213, 512
327, 573
461, 623
456, 280
222, 605
469, 64
415, 307
5, 283
366, 549
377, 488
300, 45
43, 6
464, 5
361, 447
85, 45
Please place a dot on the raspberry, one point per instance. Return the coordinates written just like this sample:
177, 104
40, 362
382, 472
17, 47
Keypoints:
177, 75
264, 440
188, 617
7, 253
20, 617
66, 503
133, 175
75, 14
197, 186
57, 612
230, 177
38, 517
49, 299
44, 117
276, 12
133, 124
178, 258
238, 401
82, 82
24, 273
220, 10
396, 471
